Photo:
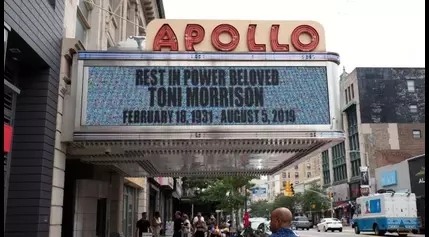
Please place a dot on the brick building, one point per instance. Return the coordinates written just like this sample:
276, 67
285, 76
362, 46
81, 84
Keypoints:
384, 121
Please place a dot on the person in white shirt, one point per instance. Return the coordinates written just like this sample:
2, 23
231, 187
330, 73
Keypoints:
186, 226
198, 217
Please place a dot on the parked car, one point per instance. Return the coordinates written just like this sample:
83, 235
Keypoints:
263, 229
331, 224
301, 222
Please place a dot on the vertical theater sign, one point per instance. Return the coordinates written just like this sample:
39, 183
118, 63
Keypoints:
205, 94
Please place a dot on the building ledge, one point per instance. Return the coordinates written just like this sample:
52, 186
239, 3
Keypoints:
348, 106
11, 87
339, 182
354, 179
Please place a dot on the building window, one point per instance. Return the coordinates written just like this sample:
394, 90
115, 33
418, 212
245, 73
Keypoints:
353, 141
284, 185
353, 91
296, 174
296, 167
411, 86
348, 91
284, 175
308, 174
288, 174
339, 162
413, 108
325, 168
346, 96
417, 134
82, 23
296, 182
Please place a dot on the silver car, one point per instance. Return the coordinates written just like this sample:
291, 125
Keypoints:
301, 222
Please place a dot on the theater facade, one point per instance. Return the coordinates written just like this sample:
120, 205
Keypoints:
206, 98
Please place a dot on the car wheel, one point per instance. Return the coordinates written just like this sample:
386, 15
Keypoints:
318, 230
341, 230
308, 228
357, 231
324, 229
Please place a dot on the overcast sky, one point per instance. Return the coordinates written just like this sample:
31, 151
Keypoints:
368, 33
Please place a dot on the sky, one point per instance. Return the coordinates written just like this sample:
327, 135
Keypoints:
366, 33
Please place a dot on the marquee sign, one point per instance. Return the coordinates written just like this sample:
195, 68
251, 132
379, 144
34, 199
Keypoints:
239, 36
207, 95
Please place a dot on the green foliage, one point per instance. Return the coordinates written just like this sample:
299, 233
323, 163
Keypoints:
312, 198
261, 209
226, 191
289, 202
199, 182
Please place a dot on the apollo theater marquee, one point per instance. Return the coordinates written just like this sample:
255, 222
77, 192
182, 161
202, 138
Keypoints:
206, 98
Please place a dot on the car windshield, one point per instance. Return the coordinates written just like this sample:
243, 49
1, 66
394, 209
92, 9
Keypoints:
333, 219
302, 219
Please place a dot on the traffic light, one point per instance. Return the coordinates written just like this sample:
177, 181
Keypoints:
331, 195
292, 192
288, 189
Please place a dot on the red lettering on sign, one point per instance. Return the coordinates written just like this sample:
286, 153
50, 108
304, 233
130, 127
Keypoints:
7, 137
305, 29
165, 38
251, 44
229, 29
274, 39
194, 34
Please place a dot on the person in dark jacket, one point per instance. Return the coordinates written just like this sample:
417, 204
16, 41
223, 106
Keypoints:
280, 224
143, 225
178, 224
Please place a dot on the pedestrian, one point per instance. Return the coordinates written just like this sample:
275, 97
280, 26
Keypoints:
200, 226
280, 224
156, 224
178, 222
198, 217
211, 225
143, 225
186, 226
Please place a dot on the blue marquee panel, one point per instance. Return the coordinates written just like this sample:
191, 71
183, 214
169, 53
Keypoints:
186, 95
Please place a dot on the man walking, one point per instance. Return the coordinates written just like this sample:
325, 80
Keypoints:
281, 221
178, 223
143, 225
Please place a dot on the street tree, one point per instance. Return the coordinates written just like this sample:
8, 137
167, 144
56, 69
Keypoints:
261, 208
314, 199
227, 192
292, 203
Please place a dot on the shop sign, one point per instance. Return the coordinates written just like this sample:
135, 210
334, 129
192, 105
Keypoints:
417, 175
7, 137
165, 181
258, 191
242, 36
355, 191
364, 177
389, 178
207, 95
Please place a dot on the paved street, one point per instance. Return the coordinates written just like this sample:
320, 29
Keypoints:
346, 232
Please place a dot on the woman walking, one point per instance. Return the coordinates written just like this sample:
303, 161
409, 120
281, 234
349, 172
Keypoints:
156, 224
